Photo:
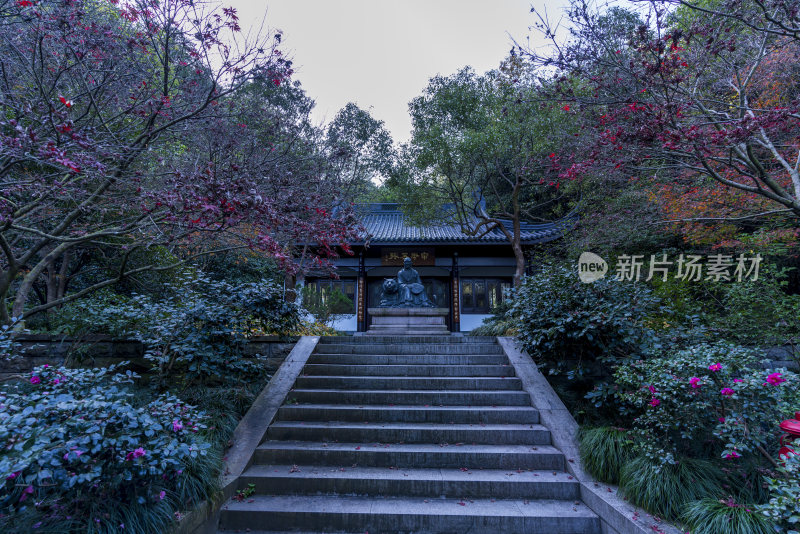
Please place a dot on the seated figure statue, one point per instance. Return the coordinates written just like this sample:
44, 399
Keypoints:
406, 291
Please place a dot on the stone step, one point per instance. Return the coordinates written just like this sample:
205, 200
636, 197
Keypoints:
457, 455
409, 413
411, 482
460, 383
343, 431
408, 359
409, 515
317, 369
448, 338
404, 331
410, 320
410, 348
360, 397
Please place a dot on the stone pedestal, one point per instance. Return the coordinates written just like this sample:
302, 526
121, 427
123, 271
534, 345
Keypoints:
408, 321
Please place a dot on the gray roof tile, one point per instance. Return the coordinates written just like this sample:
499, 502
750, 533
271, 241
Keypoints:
385, 223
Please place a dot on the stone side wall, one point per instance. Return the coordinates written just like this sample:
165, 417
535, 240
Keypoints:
100, 351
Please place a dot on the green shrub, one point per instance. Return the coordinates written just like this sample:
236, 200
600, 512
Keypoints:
604, 451
714, 516
198, 334
751, 312
566, 324
79, 454
784, 503
757, 312
664, 489
502, 322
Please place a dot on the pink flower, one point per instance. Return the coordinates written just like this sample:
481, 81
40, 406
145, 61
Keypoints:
56, 381
27, 491
177, 426
738, 380
721, 419
775, 379
76, 452
714, 367
135, 454
652, 389
733, 454
727, 392
13, 475
35, 379
695, 382
654, 402
162, 495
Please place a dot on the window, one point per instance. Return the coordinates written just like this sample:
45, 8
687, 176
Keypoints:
480, 295
338, 296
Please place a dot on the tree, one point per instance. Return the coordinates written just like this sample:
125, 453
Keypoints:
700, 102
484, 145
359, 151
103, 106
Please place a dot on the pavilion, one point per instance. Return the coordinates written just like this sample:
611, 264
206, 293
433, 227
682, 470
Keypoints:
464, 273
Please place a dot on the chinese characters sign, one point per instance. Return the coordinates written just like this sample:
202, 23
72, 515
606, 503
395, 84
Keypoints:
418, 255
689, 267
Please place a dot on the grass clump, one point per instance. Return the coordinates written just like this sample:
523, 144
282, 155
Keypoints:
664, 489
717, 516
604, 451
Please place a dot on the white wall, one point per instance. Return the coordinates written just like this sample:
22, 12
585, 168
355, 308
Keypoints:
346, 323
472, 320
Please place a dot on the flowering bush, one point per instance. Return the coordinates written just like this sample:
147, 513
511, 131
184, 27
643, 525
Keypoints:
707, 395
76, 444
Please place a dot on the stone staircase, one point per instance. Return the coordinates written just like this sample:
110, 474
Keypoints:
408, 434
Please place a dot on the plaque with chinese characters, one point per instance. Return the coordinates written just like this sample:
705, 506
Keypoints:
418, 255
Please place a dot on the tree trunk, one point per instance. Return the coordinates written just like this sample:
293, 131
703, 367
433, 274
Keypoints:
516, 238
519, 257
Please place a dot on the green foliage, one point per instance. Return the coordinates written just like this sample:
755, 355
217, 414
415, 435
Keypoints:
241, 267
8, 347
197, 334
485, 146
759, 312
664, 489
784, 503
604, 451
713, 516
705, 401
77, 446
567, 325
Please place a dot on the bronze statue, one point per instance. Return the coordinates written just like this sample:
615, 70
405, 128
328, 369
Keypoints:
405, 291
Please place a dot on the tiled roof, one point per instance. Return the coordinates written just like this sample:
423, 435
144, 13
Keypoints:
385, 223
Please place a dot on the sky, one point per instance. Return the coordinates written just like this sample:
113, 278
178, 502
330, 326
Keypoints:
380, 53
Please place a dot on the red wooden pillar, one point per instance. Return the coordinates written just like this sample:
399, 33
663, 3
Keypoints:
456, 292
361, 300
